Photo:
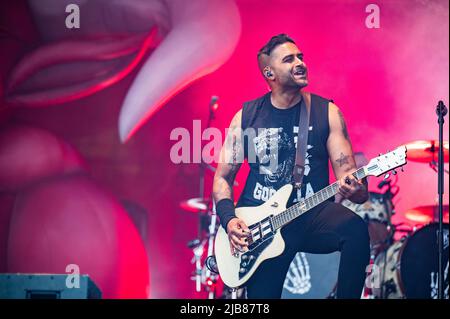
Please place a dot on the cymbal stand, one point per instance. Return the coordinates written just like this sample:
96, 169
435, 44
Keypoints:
210, 278
197, 247
204, 277
434, 166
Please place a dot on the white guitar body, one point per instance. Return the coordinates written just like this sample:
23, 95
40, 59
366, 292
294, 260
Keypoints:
265, 222
229, 266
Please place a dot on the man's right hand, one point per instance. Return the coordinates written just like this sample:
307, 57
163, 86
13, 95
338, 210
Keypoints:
237, 234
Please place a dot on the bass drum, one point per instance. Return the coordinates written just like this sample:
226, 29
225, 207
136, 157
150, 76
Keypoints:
311, 276
408, 269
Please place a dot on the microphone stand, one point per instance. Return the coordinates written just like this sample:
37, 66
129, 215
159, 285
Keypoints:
441, 111
203, 165
200, 275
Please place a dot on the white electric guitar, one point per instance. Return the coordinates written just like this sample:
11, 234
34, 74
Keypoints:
265, 221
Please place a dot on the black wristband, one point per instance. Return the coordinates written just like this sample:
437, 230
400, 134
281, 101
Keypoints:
225, 211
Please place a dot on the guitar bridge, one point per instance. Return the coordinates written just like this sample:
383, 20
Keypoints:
249, 258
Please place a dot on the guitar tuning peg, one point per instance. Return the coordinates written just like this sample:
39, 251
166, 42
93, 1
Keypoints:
386, 176
402, 169
394, 172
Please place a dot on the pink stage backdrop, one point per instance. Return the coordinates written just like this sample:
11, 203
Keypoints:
387, 82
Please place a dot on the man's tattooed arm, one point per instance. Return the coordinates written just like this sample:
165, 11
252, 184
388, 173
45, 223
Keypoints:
343, 125
341, 153
343, 159
231, 158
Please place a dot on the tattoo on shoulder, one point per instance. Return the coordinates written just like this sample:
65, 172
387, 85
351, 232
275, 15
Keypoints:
234, 150
344, 126
343, 159
233, 163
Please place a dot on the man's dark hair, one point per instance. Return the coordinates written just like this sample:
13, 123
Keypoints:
273, 43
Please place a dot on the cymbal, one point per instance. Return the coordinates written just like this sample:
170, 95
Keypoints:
425, 151
426, 214
196, 205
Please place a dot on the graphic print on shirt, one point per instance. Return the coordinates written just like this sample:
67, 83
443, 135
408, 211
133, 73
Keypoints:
274, 145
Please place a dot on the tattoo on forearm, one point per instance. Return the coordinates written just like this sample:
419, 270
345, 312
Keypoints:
343, 159
344, 126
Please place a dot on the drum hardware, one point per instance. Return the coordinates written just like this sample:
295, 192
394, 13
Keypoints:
196, 205
437, 151
426, 151
207, 226
408, 268
405, 265
434, 166
426, 214
205, 275
377, 212
388, 253
392, 267
207, 220
198, 249
404, 228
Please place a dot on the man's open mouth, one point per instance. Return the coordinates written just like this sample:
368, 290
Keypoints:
300, 73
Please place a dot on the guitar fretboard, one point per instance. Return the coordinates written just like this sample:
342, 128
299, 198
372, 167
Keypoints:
306, 204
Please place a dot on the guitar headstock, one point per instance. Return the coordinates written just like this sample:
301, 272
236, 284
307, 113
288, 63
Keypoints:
386, 162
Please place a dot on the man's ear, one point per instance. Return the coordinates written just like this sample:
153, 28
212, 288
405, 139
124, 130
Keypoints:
268, 73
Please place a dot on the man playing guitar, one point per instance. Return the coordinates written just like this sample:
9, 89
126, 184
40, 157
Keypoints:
327, 227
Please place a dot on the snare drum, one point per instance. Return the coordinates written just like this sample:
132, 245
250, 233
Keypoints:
409, 267
377, 214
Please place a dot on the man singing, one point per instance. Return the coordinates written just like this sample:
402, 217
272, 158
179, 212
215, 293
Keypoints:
327, 227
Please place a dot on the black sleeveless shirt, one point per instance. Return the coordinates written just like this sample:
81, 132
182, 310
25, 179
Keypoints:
280, 126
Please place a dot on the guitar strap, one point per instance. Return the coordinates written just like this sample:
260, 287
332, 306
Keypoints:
302, 140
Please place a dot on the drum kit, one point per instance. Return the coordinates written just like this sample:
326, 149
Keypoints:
404, 268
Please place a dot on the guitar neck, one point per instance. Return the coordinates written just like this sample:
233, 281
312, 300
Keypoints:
306, 204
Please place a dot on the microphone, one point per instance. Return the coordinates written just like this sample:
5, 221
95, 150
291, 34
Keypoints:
441, 109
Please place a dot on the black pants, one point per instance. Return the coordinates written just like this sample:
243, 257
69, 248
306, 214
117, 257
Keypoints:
326, 228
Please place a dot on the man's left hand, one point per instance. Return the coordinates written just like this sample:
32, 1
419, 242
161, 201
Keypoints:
352, 189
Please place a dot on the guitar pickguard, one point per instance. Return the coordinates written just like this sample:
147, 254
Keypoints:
249, 258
